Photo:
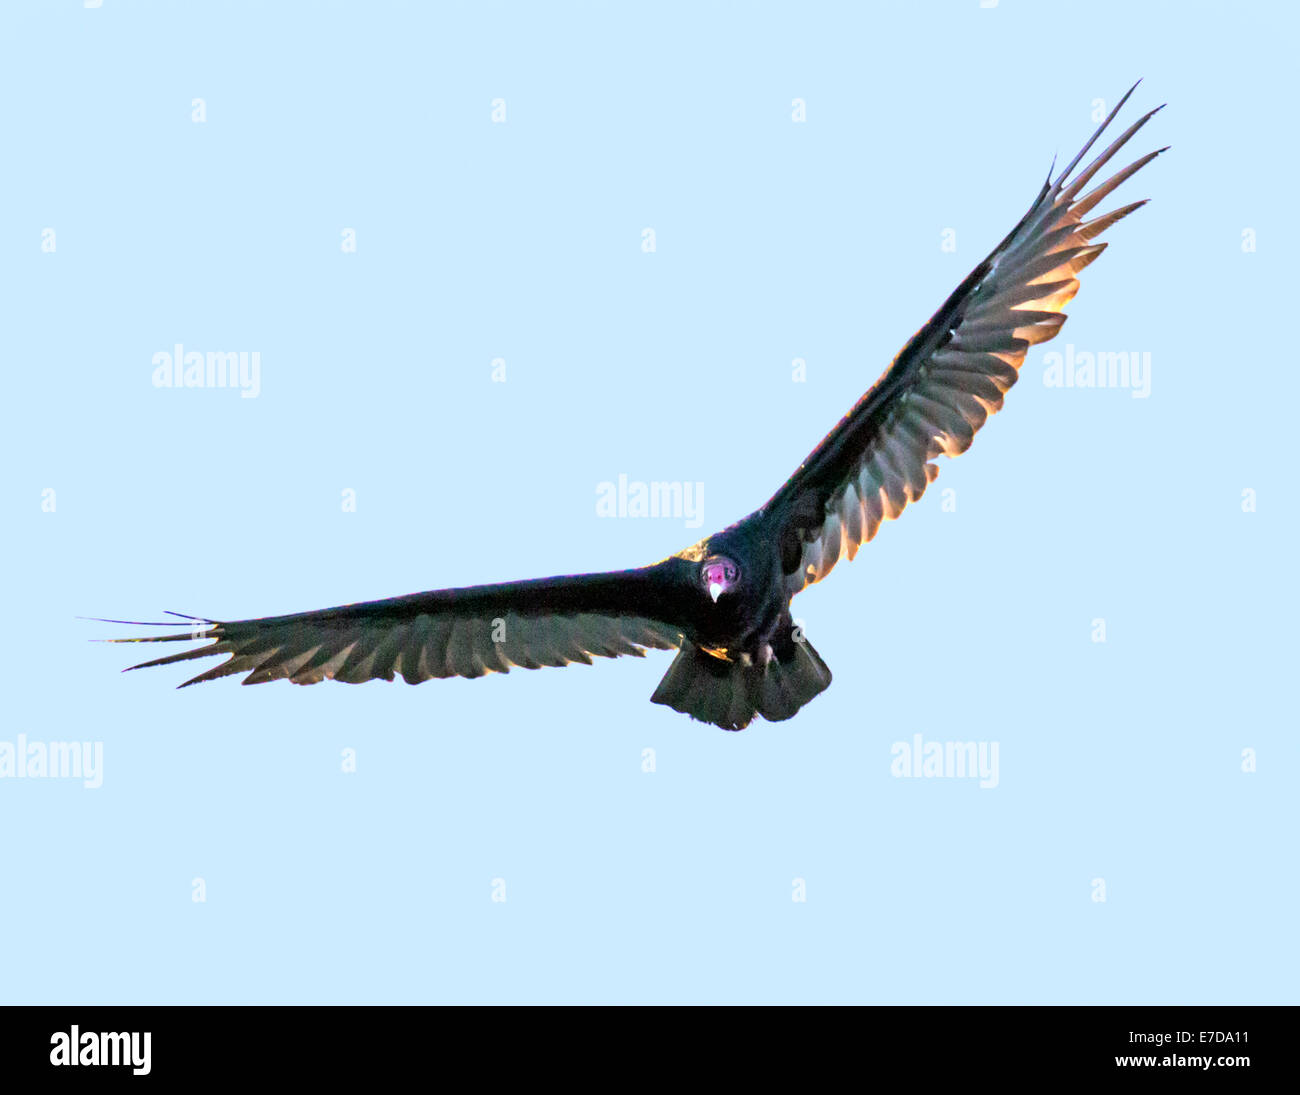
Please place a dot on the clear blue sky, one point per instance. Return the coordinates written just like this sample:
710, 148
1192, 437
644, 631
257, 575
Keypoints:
775, 240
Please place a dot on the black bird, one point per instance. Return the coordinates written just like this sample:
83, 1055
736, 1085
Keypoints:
724, 603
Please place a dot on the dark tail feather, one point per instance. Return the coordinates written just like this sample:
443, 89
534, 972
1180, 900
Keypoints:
729, 694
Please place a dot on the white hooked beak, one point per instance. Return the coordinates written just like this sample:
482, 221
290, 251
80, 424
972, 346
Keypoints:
715, 591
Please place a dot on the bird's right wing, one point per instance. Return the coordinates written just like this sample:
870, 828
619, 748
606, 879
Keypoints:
445, 633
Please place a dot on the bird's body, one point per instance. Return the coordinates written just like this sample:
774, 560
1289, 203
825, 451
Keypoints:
725, 602
742, 627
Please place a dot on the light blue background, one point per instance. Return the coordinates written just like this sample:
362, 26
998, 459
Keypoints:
775, 241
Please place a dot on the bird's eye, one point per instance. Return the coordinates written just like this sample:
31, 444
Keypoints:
731, 574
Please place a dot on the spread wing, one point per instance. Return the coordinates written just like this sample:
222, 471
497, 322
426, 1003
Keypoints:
949, 378
445, 633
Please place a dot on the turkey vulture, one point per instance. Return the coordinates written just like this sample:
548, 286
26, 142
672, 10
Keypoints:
724, 603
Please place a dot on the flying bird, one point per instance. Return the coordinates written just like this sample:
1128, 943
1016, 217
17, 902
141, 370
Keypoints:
724, 603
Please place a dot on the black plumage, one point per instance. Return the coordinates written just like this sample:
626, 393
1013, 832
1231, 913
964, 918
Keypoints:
724, 603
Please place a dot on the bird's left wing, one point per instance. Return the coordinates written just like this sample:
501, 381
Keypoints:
949, 378
445, 633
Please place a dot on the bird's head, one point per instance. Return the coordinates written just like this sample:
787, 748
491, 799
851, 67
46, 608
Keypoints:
718, 574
